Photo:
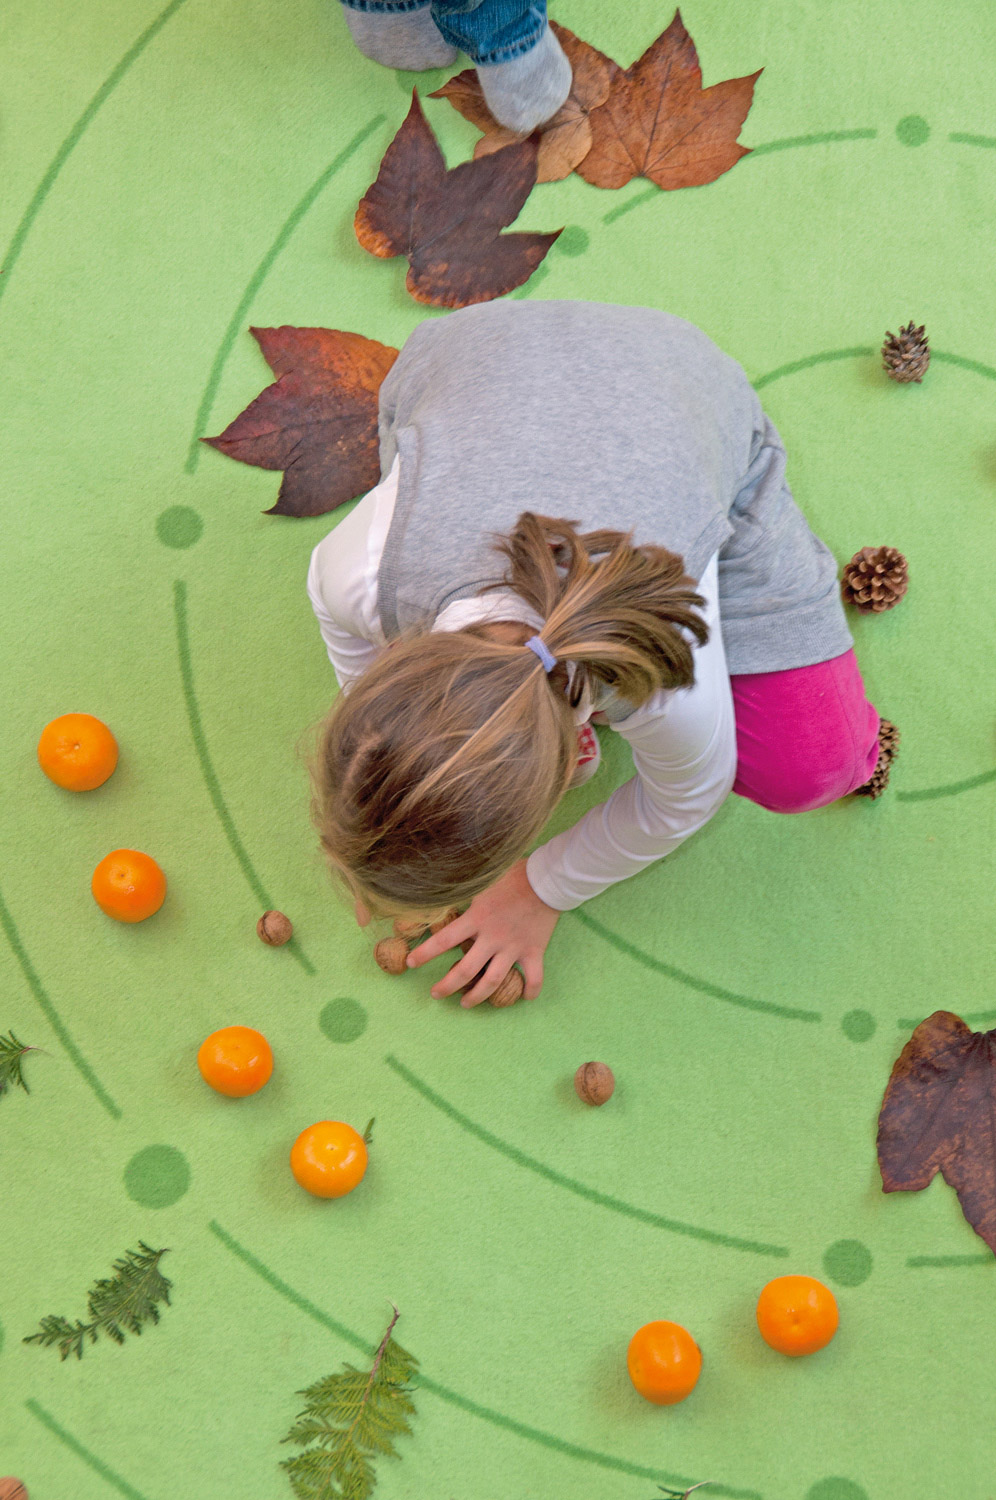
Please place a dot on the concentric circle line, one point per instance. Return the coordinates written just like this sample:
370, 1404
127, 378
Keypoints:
455, 1398
72, 140
56, 1022
865, 351
826, 356
90, 1459
209, 773
952, 789
823, 138
918, 1262
256, 280
826, 137
703, 986
942, 356
580, 1189
973, 140
971, 1018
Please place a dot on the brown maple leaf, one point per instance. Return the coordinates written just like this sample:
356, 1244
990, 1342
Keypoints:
938, 1116
659, 122
565, 139
318, 421
449, 223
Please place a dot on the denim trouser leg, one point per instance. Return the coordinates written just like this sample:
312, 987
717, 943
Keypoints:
488, 31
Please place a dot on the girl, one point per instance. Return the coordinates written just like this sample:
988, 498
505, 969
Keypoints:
688, 561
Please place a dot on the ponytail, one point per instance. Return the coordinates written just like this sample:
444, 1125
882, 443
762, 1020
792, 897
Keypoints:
618, 612
440, 766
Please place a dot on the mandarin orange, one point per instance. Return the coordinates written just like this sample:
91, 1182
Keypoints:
329, 1159
664, 1362
236, 1061
77, 752
128, 885
797, 1315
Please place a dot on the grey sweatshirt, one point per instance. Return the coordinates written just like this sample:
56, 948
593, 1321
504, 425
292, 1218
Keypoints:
623, 417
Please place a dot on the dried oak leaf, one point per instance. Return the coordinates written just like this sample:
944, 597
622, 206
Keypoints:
448, 223
318, 421
565, 139
937, 1116
659, 122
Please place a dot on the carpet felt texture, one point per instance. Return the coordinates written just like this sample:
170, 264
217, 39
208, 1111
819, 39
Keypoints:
172, 175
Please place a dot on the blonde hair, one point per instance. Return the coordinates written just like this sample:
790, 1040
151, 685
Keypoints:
438, 768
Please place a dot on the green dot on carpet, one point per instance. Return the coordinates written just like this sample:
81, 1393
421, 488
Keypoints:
180, 526
858, 1025
912, 130
573, 241
343, 1020
848, 1262
157, 1176
836, 1489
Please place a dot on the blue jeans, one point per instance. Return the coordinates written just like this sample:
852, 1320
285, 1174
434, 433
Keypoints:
488, 31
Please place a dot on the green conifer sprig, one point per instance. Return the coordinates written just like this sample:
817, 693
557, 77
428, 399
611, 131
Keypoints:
117, 1305
11, 1052
352, 1418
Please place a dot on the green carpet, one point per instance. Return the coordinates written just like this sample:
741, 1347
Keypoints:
169, 177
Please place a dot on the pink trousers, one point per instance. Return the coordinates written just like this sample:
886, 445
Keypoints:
804, 737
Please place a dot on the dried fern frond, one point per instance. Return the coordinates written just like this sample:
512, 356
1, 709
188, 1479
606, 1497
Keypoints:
350, 1419
11, 1052
117, 1305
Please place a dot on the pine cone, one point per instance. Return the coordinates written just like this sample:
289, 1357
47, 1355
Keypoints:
875, 579
888, 744
905, 355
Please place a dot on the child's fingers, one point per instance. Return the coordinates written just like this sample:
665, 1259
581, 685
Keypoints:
465, 972
487, 982
532, 973
361, 913
442, 941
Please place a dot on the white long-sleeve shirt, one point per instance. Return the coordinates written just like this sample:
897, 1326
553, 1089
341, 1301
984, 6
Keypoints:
683, 742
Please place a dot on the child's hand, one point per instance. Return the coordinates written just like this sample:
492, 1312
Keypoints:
507, 924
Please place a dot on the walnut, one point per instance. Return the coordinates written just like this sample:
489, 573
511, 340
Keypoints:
392, 954
509, 990
275, 929
594, 1082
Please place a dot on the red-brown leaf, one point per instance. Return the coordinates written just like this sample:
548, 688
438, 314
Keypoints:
564, 140
449, 223
659, 122
318, 421
937, 1116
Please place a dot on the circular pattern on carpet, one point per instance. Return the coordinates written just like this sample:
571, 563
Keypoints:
157, 1176
858, 1025
573, 240
343, 1020
835, 1488
180, 526
912, 130
848, 1262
